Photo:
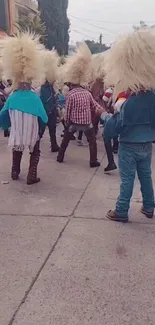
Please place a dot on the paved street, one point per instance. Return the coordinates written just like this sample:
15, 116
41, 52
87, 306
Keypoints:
61, 261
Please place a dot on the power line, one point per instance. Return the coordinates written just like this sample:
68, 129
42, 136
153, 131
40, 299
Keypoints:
99, 27
88, 31
83, 34
110, 22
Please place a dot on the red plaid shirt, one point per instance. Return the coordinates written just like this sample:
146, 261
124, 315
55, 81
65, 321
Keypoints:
80, 106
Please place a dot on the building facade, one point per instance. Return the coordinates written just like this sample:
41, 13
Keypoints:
24, 8
12, 10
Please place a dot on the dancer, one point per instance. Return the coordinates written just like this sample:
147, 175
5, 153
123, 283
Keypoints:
80, 105
111, 145
48, 95
23, 111
130, 66
97, 85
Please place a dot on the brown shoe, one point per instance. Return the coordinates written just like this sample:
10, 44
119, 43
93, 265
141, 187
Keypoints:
33, 181
147, 214
114, 217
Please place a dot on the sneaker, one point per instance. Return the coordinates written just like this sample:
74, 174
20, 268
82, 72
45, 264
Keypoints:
110, 167
111, 215
95, 164
147, 214
80, 143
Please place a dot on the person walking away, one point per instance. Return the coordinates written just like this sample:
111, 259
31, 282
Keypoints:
79, 108
97, 91
110, 149
48, 94
23, 111
80, 105
48, 98
135, 124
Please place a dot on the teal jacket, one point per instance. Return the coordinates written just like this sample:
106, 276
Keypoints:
25, 101
136, 121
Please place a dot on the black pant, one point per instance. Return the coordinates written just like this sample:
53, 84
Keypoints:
91, 138
109, 151
80, 135
51, 124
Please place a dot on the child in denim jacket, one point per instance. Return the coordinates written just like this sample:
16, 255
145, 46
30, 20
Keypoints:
131, 66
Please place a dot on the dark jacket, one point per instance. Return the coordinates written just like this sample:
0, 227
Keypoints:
136, 121
48, 98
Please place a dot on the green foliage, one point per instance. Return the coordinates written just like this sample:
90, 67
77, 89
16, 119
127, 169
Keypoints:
96, 47
33, 24
54, 15
142, 25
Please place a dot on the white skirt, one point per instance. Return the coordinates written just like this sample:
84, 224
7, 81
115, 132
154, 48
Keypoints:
24, 130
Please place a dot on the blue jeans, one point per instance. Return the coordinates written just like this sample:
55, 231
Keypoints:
135, 157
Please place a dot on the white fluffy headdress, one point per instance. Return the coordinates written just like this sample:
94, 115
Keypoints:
130, 64
78, 68
98, 66
21, 58
51, 61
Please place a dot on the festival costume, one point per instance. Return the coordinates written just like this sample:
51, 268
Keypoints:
80, 105
23, 111
48, 95
131, 67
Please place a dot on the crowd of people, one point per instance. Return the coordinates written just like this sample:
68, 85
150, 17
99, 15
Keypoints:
114, 89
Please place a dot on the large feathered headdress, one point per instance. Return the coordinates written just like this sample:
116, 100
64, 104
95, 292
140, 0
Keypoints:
51, 61
21, 58
78, 68
130, 64
98, 66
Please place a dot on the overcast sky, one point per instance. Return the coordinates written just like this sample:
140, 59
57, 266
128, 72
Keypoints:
89, 18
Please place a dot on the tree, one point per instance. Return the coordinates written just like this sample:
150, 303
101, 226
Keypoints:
54, 15
33, 24
96, 47
142, 25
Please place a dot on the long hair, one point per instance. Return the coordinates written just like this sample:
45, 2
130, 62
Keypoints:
21, 58
130, 64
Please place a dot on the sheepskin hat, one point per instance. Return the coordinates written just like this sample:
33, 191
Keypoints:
130, 64
98, 66
78, 68
21, 58
51, 61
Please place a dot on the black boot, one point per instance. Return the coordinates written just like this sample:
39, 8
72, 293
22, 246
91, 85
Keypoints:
54, 145
6, 133
109, 151
16, 161
65, 142
34, 160
91, 138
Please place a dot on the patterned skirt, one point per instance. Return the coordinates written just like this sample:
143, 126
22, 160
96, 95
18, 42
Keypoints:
24, 130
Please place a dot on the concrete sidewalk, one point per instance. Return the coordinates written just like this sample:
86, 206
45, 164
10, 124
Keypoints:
61, 261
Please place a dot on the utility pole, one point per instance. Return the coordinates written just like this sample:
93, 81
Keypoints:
100, 39
100, 42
